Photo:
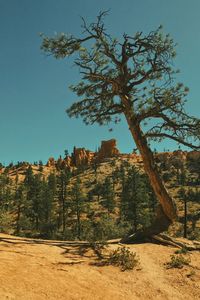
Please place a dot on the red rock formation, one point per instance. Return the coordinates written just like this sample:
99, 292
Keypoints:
82, 157
108, 149
67, 161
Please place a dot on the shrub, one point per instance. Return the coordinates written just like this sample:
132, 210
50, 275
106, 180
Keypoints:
181, 251
102, 228
123, 258
178, 261
99, 247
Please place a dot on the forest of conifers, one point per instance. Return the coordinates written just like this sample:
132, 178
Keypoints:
96, 202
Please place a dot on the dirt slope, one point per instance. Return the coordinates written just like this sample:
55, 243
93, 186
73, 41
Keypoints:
36, 269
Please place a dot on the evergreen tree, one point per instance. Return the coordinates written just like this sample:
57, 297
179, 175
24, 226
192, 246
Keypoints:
128, 207
47, 206
97, 190
108, 195
62, 185
34, 185
134, 77
37, 193
183, 197
78, 205
136, 201
19, 204
5, 191
6, 218
95, 167
118, 175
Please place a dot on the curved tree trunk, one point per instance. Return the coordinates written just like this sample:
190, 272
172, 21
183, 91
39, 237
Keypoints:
166, 212
151, 169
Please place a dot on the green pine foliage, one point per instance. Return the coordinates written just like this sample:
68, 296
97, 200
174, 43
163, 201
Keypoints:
78, 207
178, 261
123, 258
62, 182
64, 205
137, 200
108, 195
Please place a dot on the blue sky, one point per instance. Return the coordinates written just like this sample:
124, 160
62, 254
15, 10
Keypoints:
34, 88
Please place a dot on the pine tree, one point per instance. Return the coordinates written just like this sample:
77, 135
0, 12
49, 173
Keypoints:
6, 218
62, 185
5, 191
183, 197
37, 193
47, 207
19, 204
137, 202
34, 185
128, 205
97, 190
78, 205
134, 77
108, 195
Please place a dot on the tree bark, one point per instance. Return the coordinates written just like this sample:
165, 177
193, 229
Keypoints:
166, 212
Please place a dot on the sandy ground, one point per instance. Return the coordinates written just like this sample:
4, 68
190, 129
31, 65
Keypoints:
37, 269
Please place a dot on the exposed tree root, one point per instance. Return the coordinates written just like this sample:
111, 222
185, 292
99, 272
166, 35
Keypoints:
155, 234
169, 241
162, 239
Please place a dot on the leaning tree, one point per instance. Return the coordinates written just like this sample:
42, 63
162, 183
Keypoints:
133, 76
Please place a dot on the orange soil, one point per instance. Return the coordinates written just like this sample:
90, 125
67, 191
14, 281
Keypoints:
38, 270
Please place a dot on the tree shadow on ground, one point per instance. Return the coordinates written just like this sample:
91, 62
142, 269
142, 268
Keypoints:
74, 252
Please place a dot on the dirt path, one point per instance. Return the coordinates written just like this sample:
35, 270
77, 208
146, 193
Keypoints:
40, 270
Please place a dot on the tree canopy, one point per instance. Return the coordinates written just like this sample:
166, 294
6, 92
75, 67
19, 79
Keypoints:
134, 76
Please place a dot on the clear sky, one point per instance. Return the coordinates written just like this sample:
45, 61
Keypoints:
34, 88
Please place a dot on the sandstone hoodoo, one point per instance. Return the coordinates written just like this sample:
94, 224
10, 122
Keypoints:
132, 77
82, 157
104, 176
108, 149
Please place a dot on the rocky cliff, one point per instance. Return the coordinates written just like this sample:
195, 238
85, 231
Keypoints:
108, 149
83, 157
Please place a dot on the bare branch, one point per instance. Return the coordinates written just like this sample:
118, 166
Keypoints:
177, 139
